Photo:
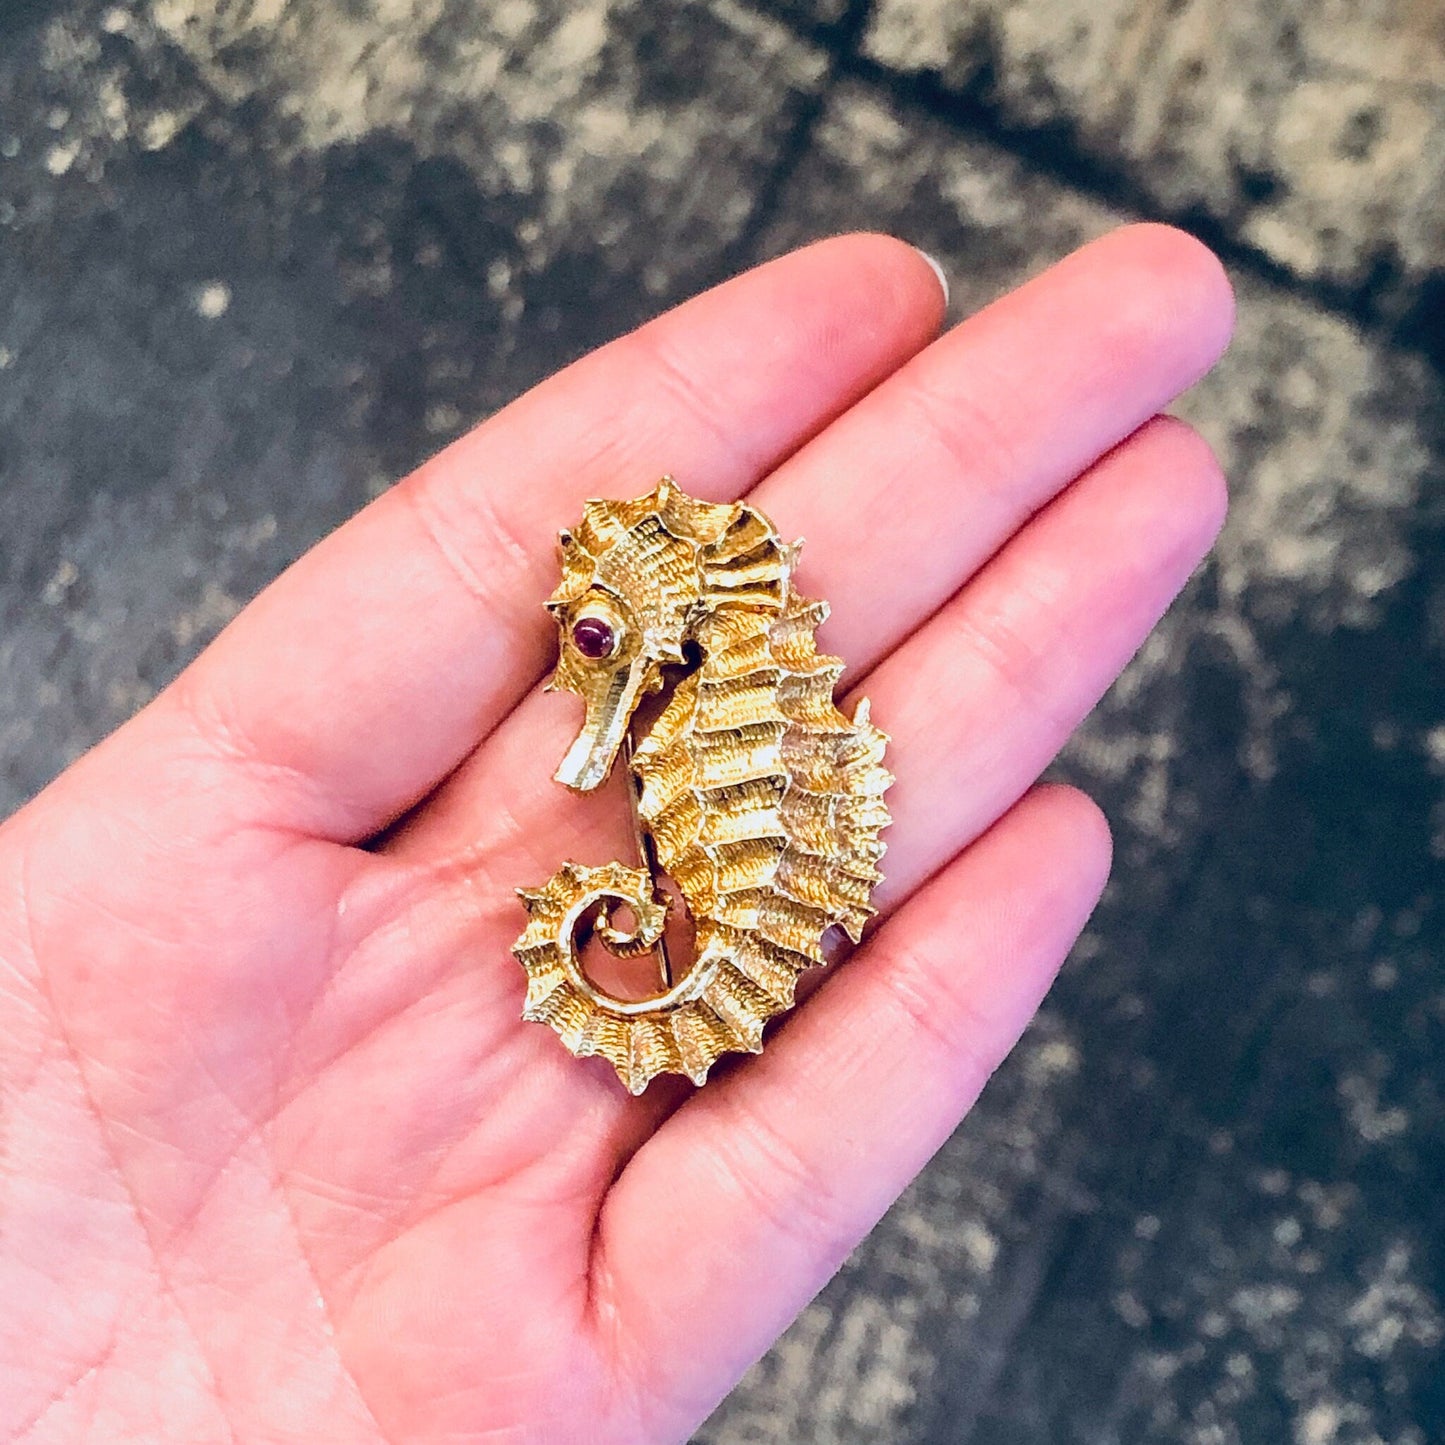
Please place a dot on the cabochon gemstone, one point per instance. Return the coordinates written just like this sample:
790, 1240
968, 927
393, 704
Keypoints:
593, 637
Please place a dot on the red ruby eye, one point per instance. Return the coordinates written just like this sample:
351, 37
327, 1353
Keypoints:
593, 637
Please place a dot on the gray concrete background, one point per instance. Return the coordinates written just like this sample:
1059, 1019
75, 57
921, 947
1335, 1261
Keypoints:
257, 259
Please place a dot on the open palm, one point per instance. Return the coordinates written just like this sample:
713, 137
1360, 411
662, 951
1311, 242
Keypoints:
278, 1159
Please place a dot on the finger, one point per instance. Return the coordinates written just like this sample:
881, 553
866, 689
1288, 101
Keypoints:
904, 496
371, 667
909, 492
746, 1201
977, 702
980, 700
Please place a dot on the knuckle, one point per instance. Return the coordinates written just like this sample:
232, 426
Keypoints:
966, 438
792, 1196
940, 1014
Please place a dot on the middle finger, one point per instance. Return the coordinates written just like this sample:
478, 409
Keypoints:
906, 495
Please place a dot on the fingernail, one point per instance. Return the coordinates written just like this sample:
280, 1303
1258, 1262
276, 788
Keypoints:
937, 271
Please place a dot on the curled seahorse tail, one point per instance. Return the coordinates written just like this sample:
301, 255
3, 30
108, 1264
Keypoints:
558, 993
713, 1011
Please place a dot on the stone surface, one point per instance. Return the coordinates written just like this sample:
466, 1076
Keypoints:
1312, 132
258, 260
207, 218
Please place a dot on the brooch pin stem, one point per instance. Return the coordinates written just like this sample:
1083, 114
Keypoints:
646, 849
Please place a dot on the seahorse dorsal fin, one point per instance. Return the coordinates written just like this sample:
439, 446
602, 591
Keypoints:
690, 518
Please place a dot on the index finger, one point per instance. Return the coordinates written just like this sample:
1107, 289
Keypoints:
380, 659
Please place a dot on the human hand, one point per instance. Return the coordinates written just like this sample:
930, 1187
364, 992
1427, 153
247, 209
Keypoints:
279, 1159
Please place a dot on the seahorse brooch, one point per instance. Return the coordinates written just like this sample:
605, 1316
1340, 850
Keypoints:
749, 788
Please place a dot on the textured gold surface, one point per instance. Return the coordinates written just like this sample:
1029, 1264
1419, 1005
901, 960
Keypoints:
752, 791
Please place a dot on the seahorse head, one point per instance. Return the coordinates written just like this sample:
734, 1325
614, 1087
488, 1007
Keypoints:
637, 579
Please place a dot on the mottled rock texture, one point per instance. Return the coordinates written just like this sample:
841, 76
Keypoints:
256, 260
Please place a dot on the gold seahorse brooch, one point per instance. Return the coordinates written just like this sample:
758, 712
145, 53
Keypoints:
749, 789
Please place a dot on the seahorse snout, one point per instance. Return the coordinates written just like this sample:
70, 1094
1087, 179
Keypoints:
609, 710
